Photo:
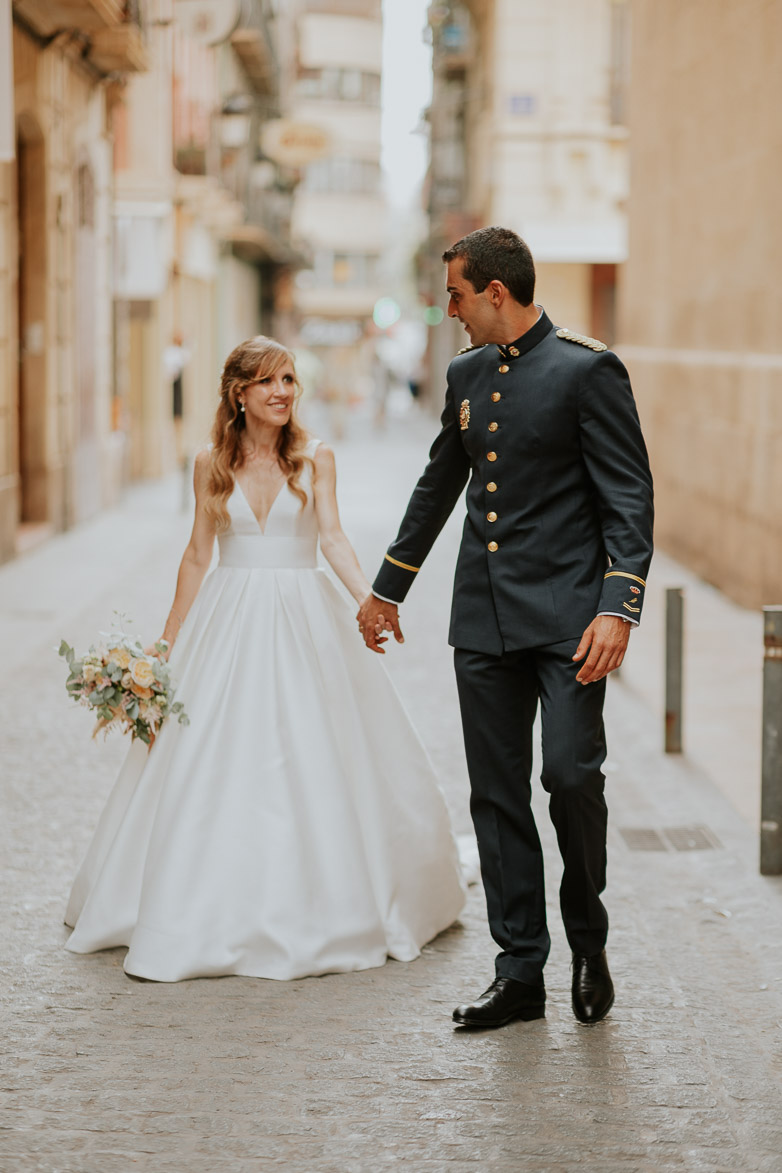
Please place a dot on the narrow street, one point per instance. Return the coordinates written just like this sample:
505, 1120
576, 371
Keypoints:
363, 1072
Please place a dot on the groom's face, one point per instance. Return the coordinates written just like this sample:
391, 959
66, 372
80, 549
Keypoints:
475, 311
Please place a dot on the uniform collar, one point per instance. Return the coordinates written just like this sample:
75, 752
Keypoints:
527, 341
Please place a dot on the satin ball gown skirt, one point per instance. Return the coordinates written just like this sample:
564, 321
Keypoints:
295, 827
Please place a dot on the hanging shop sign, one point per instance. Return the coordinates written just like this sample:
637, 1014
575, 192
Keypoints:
294, 144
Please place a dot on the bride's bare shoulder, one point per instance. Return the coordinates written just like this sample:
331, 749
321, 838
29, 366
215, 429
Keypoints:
323, 459
201, 464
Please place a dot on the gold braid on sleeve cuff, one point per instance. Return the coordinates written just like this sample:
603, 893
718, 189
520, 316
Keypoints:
402, 565
610, 574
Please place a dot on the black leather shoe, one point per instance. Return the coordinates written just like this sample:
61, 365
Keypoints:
504, 1000
593, 990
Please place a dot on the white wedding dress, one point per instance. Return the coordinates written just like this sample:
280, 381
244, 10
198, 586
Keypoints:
295, 827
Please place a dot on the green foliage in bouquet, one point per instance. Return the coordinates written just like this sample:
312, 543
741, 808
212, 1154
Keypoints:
123, 685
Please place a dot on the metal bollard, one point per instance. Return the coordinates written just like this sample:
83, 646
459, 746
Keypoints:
674, 676
771, 769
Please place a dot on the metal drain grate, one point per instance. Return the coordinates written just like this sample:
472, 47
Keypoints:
691, 838
643, 839
670, 839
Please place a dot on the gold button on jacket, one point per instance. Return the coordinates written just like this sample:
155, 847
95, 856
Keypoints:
491, 516
493, 427
491, 456
495, 397
492, 488
493, 546
504, 369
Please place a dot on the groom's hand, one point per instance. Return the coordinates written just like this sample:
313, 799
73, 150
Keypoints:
375, 617
606, 641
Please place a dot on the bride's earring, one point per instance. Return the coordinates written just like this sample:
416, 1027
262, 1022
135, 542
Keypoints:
242, 407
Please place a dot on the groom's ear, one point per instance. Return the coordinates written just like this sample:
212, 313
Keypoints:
496, 293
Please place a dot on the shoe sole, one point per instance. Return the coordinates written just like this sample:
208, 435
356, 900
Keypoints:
528, 1015
594, 1021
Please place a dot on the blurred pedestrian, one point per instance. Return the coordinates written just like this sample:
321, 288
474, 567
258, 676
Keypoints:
381, 380
274, 836
551, 573
176, 356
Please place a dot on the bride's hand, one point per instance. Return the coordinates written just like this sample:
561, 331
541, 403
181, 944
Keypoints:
153, 650
376, 616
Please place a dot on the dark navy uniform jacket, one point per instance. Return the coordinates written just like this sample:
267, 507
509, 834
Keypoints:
559, 504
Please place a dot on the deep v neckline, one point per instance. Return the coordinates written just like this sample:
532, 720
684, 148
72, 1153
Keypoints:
262, 528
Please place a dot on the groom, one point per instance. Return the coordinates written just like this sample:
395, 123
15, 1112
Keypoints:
550, 579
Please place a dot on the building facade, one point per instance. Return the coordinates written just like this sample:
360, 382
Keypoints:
701, 300
200, 225
59, 445
339, 212
143, 233
528, 130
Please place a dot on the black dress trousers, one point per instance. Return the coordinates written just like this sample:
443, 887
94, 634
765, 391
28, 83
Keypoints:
499, 698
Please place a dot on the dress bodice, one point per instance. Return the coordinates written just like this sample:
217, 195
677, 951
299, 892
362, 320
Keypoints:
290, 537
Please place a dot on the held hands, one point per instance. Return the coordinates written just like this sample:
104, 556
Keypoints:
374, 617
606, 640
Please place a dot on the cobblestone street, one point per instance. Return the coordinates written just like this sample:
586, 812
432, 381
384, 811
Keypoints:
363, 1072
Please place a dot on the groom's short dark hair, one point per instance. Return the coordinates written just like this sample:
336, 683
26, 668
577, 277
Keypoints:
496, 254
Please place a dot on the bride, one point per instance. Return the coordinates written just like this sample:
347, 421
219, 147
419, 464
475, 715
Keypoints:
285, 831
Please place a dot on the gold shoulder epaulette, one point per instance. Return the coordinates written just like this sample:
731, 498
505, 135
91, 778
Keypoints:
581, 339
466, 348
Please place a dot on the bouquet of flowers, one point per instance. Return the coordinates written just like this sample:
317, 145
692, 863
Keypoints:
123, 685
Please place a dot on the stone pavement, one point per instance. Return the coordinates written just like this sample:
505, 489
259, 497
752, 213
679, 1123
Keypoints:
362, 1072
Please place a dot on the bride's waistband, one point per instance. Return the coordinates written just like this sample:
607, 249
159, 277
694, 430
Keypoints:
248, 552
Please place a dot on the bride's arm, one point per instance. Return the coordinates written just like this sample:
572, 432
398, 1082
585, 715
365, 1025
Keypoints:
196, 558
336, 548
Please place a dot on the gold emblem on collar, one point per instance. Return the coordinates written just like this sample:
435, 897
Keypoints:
513, 351
464, 415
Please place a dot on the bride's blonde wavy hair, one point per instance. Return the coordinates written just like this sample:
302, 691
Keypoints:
255, 359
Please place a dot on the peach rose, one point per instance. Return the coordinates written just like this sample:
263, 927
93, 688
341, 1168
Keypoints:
142, 673
141, 691
120, 656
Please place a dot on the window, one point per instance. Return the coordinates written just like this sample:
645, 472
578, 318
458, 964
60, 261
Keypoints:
340, 85
354, 176
350, 85
341, 270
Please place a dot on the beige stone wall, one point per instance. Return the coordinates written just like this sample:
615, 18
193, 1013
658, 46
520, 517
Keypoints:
701, 303
566, 293
8, 363
56, 440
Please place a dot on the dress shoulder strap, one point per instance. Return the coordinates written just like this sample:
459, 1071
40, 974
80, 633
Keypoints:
312, 447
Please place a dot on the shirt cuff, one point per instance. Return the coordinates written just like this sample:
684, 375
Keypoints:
383, 599
624, 618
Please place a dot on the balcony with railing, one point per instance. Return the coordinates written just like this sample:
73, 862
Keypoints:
251, 41
122, 47
113, 29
